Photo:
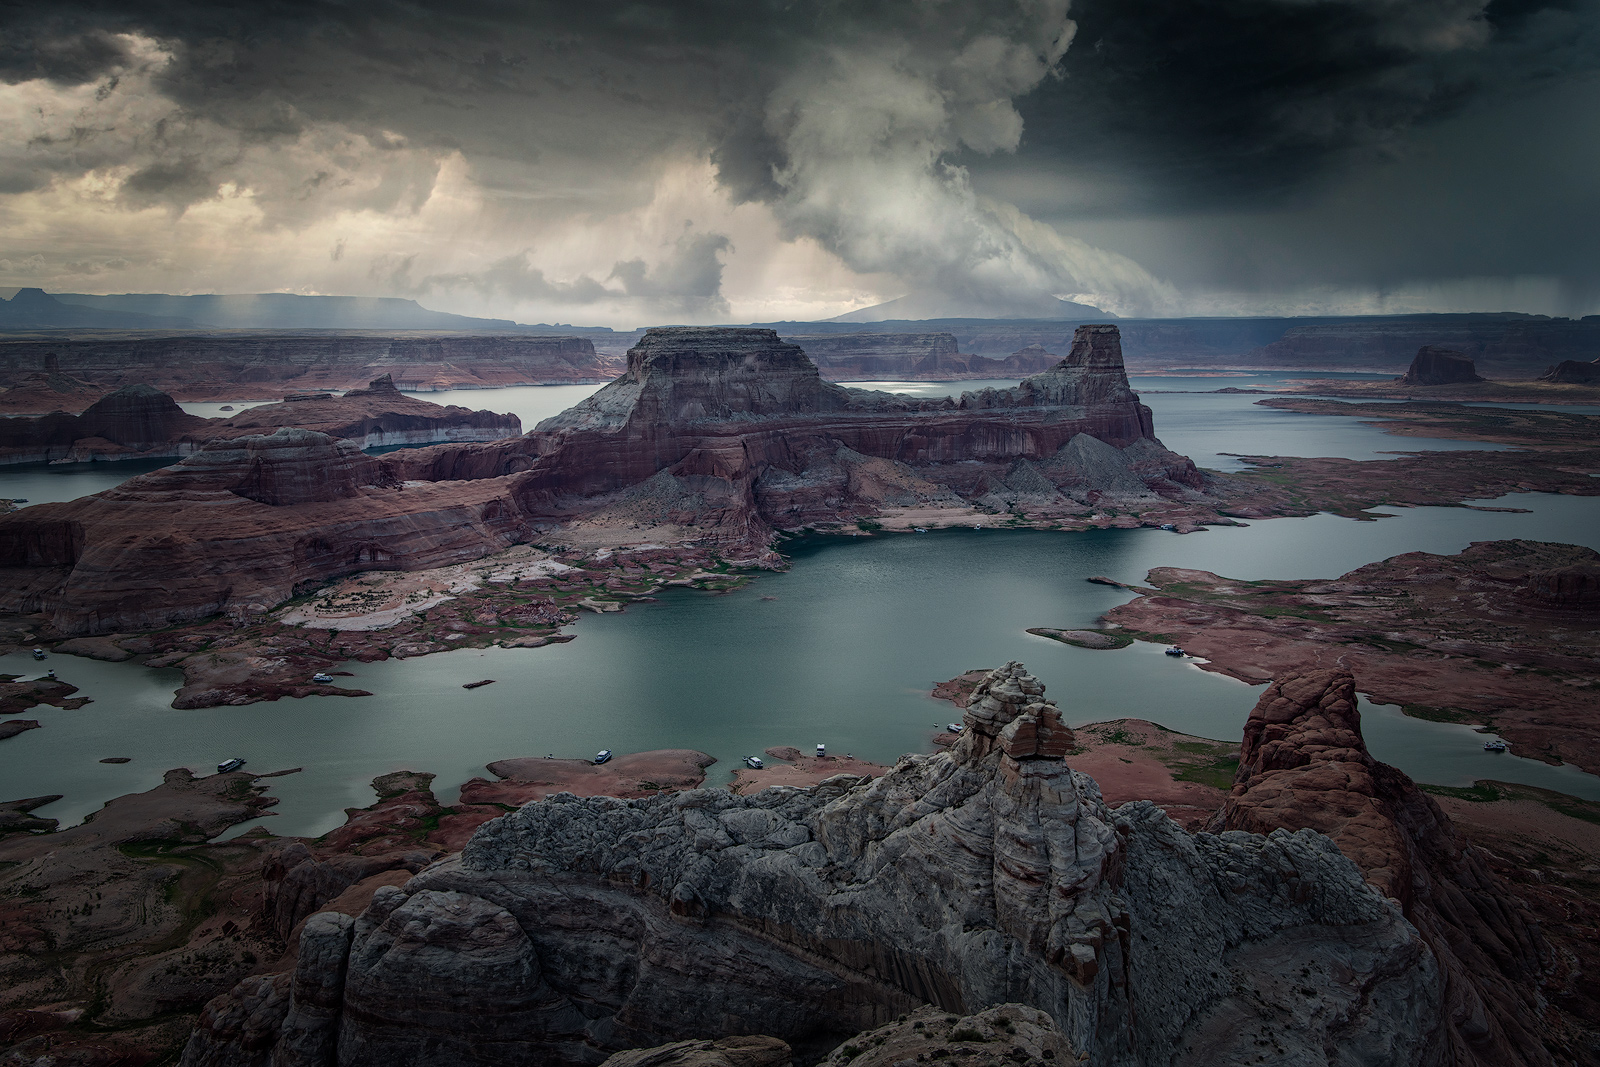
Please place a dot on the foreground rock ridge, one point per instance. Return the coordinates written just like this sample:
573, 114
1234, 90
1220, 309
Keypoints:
1304, 764
712, 436
990, 874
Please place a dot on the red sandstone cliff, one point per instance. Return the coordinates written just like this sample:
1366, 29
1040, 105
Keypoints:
133, 423
1304, 764
725, 434
235, 366
374, 417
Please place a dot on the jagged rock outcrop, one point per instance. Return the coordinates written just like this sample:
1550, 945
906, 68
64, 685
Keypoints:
1573, 372
1006, 1036
1304, 764
136, 422
1439, 366
987, 875
235, 366
725, 434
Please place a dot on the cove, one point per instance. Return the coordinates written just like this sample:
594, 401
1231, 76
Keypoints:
857, 633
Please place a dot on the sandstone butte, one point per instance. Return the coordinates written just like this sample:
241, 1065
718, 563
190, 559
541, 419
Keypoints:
725, 435
1439, 366
140, 422
43, 376
989, 881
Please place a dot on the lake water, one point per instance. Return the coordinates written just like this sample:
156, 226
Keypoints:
859, 631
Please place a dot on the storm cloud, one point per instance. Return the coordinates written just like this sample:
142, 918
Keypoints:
670, 161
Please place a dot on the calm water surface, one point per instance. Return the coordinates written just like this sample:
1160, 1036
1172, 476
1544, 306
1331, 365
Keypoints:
845, 654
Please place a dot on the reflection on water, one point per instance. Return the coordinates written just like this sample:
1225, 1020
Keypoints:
859, 631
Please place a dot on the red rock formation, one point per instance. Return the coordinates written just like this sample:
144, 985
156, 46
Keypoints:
1439, 366
132, 423
1572, 371
233, 366
374, 417
729, 431
1304, 764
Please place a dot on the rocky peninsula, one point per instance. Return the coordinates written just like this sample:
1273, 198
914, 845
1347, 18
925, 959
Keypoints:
1505, 634
140, 422
683, 468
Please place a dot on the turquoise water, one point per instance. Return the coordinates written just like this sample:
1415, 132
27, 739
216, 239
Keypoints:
858, 632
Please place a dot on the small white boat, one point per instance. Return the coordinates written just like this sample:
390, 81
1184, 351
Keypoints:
954, 727
38, 653
921, 529
1168, 526
1176, 651
822, 750
322, 679
601, 756
754, 763
1494, 746
229, 765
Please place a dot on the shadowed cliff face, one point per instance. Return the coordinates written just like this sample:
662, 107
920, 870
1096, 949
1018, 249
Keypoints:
1304, 765
721, 436
986, 875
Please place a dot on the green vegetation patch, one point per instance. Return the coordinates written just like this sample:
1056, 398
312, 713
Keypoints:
1487, 791
1433, 714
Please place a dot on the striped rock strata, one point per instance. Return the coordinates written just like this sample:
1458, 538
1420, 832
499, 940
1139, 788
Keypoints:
990, 874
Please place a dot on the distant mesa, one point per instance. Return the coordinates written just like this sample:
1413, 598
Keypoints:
904, 357
1439, 366
717, 435
1573, 372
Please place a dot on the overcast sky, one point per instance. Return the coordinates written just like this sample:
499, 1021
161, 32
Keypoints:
747, 160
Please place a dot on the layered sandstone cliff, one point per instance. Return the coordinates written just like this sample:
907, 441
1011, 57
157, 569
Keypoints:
377, 416
234, 366
137, 422
721, 436
986, 875
1304, 765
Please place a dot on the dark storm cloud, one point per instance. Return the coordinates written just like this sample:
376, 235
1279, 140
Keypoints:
843, 117
1201, 102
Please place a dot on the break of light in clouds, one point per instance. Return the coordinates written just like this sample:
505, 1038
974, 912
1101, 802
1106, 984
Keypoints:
703, 162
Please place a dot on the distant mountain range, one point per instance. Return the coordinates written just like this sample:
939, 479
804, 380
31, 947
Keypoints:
36, 309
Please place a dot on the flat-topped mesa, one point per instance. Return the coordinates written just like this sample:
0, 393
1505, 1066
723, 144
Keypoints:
690, 374
1439, 366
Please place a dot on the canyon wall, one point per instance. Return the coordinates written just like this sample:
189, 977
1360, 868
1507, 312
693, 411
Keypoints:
254, 366
715, 435
986, 875
139, 422
135, 422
